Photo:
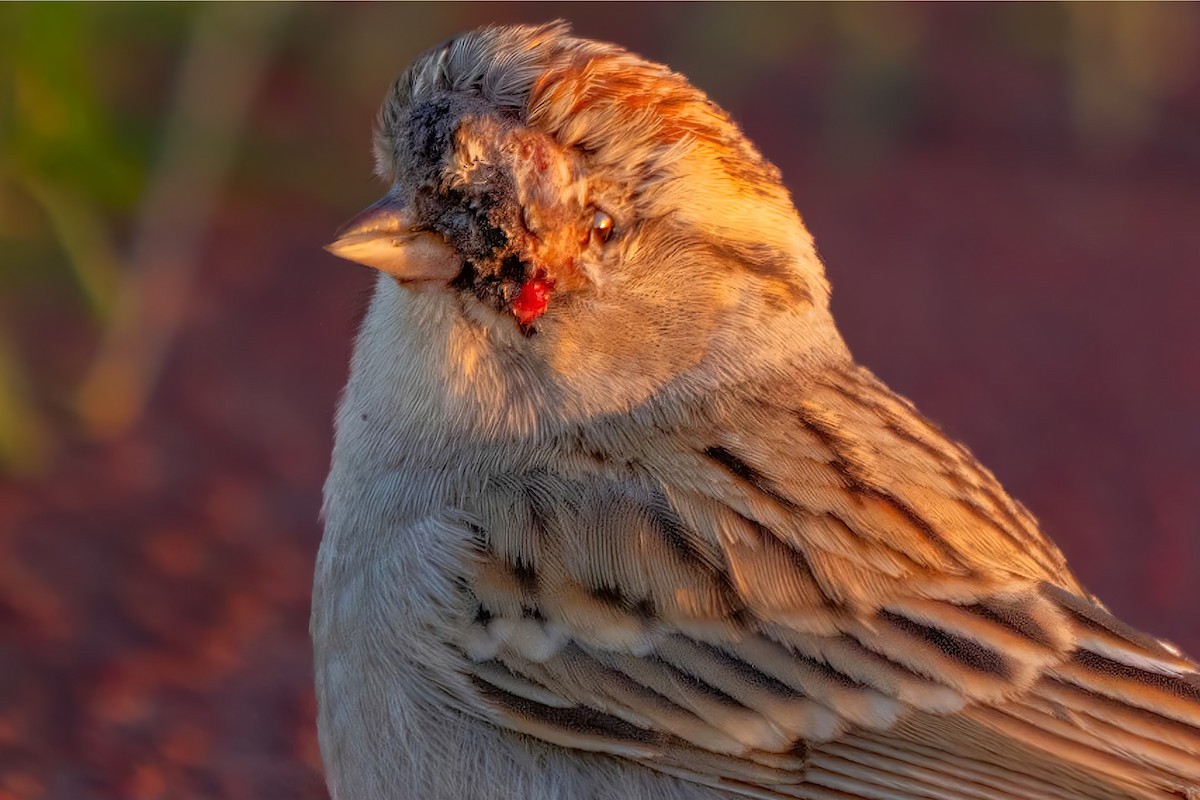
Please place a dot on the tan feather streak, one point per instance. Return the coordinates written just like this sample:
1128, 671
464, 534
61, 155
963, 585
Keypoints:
498, 588
1115, 639
887, 773
967, 737
964, 479
1058, 739
802, 703
881, 518
582, 728
1147, 690
1121, 750
594, 621
758, 781
499, 676
835, 774
718, 710
853, 661
772, 578
1183, 740
660, 711
810, 536
977, 670
961, 622
1004, 779
1071, 722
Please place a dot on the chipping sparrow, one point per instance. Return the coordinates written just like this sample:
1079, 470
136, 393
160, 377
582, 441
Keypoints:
613, 513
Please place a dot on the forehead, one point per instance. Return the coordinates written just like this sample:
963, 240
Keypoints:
501, 69
496, 66
632, 119
425, 132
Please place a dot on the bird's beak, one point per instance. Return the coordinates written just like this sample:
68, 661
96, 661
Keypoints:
383, 236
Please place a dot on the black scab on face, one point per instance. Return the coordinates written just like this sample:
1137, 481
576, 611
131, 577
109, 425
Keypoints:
472, 222
430, 135
473, 205
496, 289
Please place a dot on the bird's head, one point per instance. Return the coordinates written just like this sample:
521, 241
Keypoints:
585, 218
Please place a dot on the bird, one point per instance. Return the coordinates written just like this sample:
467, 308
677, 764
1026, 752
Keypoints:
613, 512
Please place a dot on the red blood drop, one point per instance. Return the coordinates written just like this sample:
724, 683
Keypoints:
532, 300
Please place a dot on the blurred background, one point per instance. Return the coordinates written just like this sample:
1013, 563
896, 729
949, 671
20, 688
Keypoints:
1007, 198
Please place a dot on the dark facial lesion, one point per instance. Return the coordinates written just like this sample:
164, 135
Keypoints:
506, 197
494, 288
474, 218
473, 204
482, 220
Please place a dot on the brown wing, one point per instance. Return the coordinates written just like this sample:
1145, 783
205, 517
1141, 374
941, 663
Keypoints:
837, 603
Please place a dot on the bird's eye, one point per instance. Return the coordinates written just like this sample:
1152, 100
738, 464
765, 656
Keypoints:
602, 226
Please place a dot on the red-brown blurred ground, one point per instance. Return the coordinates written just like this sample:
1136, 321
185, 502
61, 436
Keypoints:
1035, 300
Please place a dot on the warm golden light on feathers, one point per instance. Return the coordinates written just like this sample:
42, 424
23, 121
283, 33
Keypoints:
679, 526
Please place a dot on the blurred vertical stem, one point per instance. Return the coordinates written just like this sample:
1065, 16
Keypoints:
224, 64
25, 445
83, 236
871, 95
1123, 58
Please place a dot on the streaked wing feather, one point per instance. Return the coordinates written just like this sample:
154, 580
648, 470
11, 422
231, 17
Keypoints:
842, 605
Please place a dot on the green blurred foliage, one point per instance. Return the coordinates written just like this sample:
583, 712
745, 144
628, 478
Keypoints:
72, 163
82, 94
58, 125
